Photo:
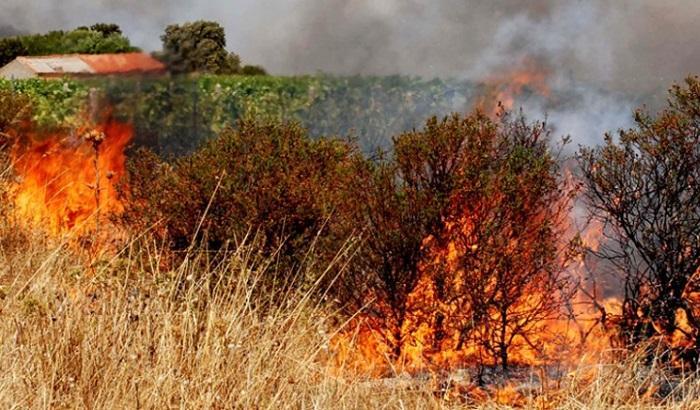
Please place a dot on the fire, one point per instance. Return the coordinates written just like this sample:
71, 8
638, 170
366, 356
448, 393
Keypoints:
68, 181
575, 337
503, 89
578, 333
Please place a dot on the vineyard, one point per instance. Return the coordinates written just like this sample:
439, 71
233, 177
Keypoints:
174, 116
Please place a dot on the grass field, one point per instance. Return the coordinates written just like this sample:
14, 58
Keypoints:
115, 331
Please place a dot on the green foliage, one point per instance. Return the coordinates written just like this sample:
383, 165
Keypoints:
253, 70
199, 46
55, 104
98, 39
10, 48
175, 116
107, 29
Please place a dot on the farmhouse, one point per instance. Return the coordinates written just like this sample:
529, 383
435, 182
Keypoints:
82, 65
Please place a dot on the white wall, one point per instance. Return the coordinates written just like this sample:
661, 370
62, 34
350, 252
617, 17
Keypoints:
16, 71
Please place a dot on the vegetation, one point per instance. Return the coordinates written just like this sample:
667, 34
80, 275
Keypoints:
175, 116
128, 335
243, 258
293, 190
269, 179
199, 46
97, 39
643, 187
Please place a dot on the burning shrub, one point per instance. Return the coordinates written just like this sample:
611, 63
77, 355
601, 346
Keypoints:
269, 178
462, 252
644, 189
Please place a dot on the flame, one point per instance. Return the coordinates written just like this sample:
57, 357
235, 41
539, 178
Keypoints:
68, 180
503, 89
580, 334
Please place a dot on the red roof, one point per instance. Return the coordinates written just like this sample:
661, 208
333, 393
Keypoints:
122, 63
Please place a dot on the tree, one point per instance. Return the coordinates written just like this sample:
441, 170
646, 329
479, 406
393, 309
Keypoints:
460, 237
498, 270
644, 188
107, 29
11, 48
101, 38
199, 46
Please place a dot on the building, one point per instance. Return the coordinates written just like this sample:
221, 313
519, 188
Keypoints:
82, 65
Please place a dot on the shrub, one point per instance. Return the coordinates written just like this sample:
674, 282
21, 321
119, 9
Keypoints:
253, 70
643, 188
268, 178
461, 236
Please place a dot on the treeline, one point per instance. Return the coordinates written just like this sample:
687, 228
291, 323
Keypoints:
193, 47
97, 39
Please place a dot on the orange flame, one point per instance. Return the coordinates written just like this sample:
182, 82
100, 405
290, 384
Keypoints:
578, 335
503, 89
68, 180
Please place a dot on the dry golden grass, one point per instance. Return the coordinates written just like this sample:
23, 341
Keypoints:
122, 333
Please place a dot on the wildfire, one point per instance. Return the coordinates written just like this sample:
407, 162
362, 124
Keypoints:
68, 181
502, 89
574, 334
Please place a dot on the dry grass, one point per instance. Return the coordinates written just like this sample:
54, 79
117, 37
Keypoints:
122, 333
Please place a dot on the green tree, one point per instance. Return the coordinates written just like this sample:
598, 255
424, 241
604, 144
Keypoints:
199, 46
107, 29
11, 48
102, 38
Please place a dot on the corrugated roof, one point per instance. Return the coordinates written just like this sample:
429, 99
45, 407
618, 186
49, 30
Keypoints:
122, 63
56, 65
93, 64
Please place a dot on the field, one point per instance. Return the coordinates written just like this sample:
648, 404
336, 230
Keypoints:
339, 242
117, 334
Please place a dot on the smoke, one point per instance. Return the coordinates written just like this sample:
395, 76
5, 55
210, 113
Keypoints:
598, 48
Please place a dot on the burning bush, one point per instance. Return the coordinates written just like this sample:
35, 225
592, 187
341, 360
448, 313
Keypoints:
643, 188
463, 251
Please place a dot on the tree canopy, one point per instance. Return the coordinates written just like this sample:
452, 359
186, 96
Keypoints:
198, 46
98, 39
